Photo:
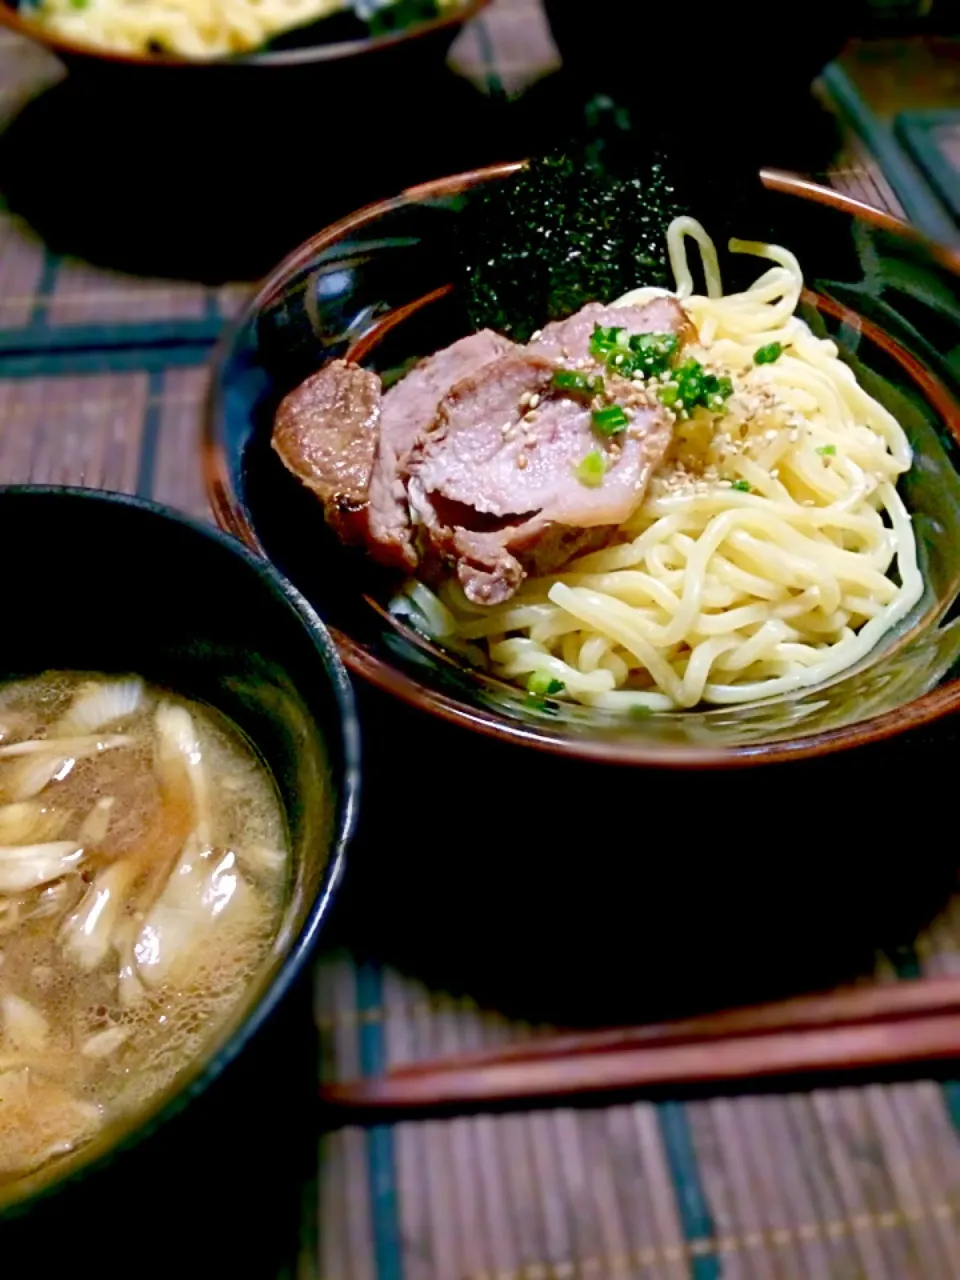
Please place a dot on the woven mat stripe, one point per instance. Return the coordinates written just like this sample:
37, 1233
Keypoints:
45, 286
685, 1170
346, 1238
44, 339
381, 1163
149, 441
56, 364
488, 53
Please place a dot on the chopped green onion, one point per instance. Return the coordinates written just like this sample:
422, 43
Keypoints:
654, 351
542, 682
741, 486
541, 704
661, 344
626, 365
610, 422
637, 711
648, 355
568, 380
827, 450
669, 393
579, 383
768, 354
693, 386
603, 341
592, 469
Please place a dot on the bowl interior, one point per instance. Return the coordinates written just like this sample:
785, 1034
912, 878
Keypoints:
112, 584
381, 287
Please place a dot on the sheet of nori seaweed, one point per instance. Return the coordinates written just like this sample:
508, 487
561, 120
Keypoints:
588, 222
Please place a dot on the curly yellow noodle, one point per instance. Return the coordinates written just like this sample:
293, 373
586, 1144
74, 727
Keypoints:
712, 594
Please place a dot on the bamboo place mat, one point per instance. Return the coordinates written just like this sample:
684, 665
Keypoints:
101, 384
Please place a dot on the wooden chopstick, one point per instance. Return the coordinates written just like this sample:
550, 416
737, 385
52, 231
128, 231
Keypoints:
846, 1030
833, 1008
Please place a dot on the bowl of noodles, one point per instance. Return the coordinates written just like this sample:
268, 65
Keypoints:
719, 520
263, 34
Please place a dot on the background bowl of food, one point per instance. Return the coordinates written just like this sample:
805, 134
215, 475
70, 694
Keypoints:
785, 586
237, 35
179, 771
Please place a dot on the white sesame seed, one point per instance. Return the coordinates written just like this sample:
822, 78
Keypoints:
534, 400
522, 461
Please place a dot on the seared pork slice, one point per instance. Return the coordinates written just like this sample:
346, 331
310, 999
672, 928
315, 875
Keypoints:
498, 487
491, 566
325, 432
408, 411
569, 339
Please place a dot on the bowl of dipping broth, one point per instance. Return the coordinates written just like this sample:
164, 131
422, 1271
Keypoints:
179, 765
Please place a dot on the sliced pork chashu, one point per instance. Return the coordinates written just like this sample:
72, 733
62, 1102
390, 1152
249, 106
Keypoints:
478, 450
498, 484
569, 340
408, 411
325, 432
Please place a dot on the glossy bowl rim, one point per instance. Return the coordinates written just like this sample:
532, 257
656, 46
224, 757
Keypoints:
308, 55
347, 779
390, 679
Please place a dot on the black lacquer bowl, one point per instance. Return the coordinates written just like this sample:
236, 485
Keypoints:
380, 286
104, 582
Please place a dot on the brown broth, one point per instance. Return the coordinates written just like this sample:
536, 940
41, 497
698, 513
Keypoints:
116, 973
